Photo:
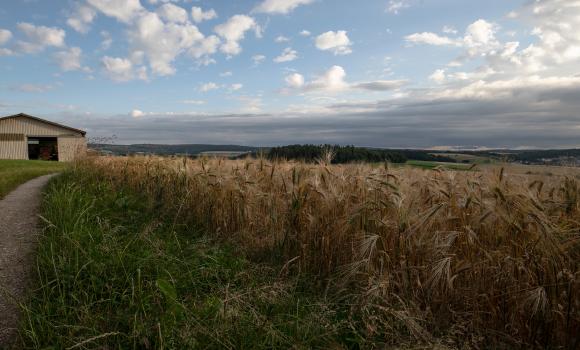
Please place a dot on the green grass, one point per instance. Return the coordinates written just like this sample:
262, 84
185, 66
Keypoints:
114, 273
16, 172
432, 165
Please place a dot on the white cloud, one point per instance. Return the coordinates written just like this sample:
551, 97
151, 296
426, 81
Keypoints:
337, 42
137, 113
70, 59
305, 33
172, 13
163, 42
122, 10
6, 52
258, 59
81, 18
208, 87
233, 31
280, 6
122, 69
5, 36
287, 55
431, 39
334, 81
194, 102
205, 47
395, 6
449, 30
281, 39
39, 37
236, 87
107, 40
226, 74
295, 80
199, 15
438, 76
34, 88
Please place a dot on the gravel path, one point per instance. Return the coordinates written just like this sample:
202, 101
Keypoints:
18, 236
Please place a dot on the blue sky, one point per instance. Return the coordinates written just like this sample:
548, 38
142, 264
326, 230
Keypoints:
384, 73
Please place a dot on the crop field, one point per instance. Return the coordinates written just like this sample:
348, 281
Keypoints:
149, 252
16, 172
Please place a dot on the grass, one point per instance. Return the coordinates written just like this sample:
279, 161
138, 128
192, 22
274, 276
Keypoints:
432, 165
16, 172
150, 252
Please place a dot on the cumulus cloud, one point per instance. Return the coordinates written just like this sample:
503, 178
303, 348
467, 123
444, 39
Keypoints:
287, 55
136, 113
39, 37
305, 33
280, 6
395, 6
122, 10
258, 59
200, 15
295, 81
70, 59
81, 18
337, 42
334, 81
122, 69
431, 39
5, 36
172, 13
234, 30
208, 87
281, 39
163, 42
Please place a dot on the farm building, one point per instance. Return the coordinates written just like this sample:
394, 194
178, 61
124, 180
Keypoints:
23, 136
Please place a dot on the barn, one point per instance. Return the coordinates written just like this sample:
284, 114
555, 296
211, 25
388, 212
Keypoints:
23, 136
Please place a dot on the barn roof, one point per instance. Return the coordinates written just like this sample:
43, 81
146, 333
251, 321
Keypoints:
82, 132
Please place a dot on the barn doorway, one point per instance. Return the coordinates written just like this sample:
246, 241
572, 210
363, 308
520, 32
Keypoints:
43, 148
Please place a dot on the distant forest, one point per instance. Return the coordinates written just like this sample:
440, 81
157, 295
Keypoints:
349, 154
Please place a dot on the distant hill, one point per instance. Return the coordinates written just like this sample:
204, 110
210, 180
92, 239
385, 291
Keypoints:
166, 150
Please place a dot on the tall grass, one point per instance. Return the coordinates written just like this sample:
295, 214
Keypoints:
479, 258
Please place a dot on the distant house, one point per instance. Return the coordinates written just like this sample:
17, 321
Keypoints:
23, 136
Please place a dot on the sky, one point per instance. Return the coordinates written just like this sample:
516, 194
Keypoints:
381, 73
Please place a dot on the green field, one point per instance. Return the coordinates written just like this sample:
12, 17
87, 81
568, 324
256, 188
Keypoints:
17, 172
432, 165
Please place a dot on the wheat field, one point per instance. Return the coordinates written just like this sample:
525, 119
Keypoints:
487, 256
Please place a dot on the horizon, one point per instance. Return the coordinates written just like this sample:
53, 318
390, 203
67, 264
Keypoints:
393, 74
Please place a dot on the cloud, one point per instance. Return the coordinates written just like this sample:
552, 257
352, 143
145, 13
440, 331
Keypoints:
236, 87
233, 31
438, 76
122, 10
163, 42
431, 39
449, 30
199, 15
334, 81
173, 13
194, 102
395, 6
280, 6
39, 37
305, 33
70, 59
5, 36
81, 18
122, 69
295, 81
107, 40
226, 74
208, 87
287, 55
137, 113
34, 88
337, 42
281, 39
258, 59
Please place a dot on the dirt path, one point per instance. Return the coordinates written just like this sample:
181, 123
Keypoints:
18, 236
